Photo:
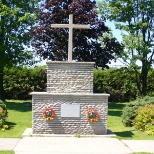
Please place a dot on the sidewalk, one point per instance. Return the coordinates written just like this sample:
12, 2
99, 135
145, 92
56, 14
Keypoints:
66, 145
73, 145
8, 143
62, 144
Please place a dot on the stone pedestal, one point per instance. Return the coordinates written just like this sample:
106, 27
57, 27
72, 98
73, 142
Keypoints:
70, 77
70, 94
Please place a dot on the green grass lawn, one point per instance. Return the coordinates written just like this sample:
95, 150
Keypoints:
20, 118
142, 153
6, 152
116, 126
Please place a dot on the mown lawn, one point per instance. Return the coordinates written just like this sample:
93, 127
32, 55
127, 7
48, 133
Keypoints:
142, 153
20, 118
6, 152
116, 126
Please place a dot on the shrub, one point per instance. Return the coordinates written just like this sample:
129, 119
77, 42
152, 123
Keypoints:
149, 129
129, 112
144, 120
20, 82
3, 115
119, 83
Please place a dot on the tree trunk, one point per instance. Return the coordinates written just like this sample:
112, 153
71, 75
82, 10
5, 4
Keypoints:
1, 86
144, 75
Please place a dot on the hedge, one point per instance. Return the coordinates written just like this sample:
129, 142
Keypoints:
119, 83
20, 82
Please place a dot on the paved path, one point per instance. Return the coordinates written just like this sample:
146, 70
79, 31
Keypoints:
69, 145
8, 143
73, 145
140, 145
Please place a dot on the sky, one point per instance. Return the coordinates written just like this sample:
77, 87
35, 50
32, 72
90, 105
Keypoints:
117, 34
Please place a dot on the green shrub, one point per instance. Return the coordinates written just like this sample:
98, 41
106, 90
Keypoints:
129, 112
144, 120
149, 129
20, 82
3, 115
119, 83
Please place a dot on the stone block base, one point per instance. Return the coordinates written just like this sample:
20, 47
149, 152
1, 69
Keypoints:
69, 125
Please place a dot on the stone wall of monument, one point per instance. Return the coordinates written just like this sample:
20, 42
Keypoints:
69, 125
74, 77
70, 95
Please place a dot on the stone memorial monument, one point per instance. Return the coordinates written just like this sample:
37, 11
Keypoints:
69, 105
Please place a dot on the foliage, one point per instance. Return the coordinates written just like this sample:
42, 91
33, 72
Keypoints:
16, 17
52, 43
150, 83
119, 83
149, 129
136, 21
19, 82
144, 120
3, 115
116, 126
129, 112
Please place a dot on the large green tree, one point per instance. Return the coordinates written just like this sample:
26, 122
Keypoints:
52, 43
135, 18
15, 18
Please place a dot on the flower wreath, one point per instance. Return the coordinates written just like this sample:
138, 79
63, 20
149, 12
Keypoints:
48, 114
92, 115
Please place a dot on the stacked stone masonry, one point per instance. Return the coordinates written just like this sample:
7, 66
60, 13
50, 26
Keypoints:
69, 83
74, 77
60, 125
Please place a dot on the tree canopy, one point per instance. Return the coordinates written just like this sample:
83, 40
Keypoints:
135, 18
15, 18
52, 43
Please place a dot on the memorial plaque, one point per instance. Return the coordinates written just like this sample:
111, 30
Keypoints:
70, 110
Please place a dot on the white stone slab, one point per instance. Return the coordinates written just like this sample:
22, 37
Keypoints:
70, 110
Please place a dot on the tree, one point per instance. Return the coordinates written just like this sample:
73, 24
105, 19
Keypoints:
15, 19
52, 43
136, 20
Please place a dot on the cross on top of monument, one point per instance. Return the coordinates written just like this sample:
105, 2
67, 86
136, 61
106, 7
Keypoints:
70, 26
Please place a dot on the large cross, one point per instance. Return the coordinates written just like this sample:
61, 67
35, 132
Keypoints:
70, 26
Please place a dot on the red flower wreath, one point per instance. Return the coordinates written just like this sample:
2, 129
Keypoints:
92, 115
48, 114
